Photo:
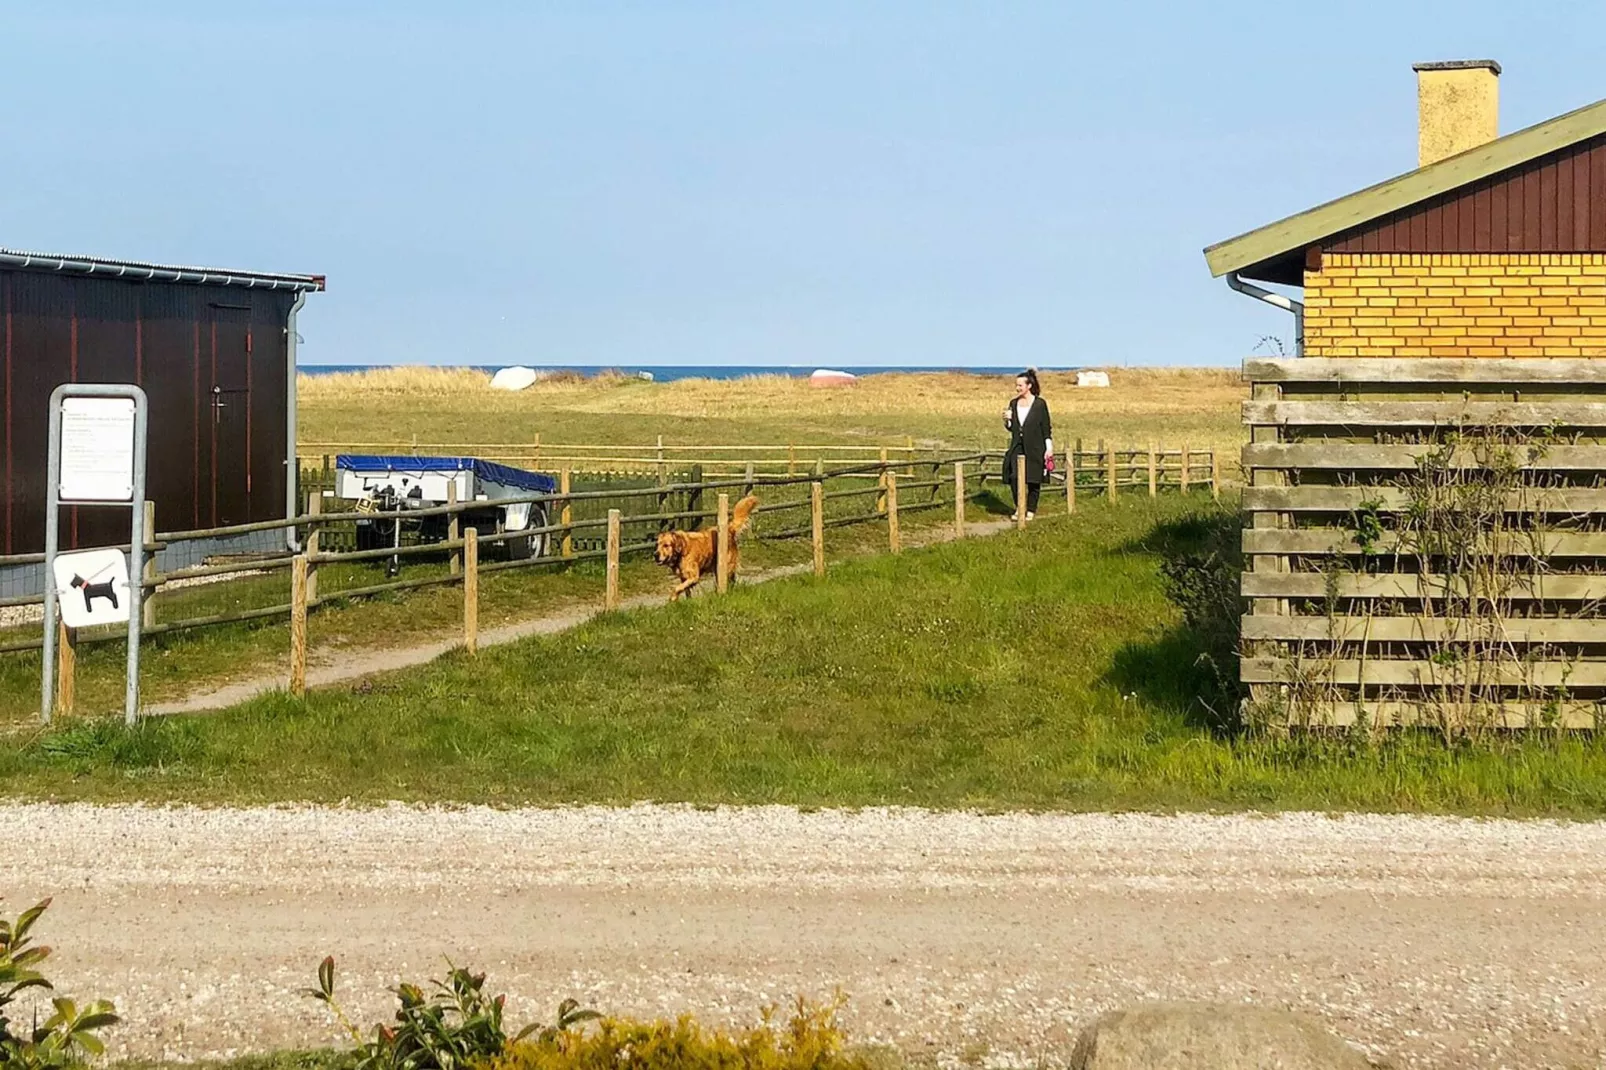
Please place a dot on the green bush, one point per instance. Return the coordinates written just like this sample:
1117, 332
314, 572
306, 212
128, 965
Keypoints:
810, 1040
1201, 561
455, 1026
65, 1038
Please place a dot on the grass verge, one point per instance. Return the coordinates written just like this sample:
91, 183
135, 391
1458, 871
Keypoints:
1043, 671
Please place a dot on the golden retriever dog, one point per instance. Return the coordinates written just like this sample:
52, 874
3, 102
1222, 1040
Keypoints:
690, 554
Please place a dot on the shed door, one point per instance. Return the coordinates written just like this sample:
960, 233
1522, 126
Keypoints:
230, 404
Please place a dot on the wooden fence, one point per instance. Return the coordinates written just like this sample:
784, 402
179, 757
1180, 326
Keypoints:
1425, 542
659, 458
600, 524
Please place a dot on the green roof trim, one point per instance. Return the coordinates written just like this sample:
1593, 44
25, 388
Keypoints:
1314, 224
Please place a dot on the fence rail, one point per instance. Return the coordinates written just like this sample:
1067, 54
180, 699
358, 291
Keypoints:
606, 522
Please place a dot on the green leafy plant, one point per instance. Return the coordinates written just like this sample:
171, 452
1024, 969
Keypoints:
67, 1037
448, 1029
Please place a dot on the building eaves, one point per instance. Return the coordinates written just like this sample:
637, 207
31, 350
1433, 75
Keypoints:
1315, 224
140, 271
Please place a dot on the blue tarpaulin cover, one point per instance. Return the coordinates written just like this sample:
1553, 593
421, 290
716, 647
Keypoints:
489, 471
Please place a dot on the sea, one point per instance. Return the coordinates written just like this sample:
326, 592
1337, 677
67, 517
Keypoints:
668, 373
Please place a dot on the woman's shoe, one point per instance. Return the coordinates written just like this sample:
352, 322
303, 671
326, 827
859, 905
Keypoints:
1031, 516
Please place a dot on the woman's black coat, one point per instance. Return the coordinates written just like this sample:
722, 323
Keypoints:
1029, 440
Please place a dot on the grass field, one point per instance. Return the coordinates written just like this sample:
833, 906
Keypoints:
177, 664
1197, 407
1038, 670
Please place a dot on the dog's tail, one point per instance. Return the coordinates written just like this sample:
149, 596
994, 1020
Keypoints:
743, 510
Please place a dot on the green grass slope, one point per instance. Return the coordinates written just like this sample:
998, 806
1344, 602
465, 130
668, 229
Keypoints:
1045, 670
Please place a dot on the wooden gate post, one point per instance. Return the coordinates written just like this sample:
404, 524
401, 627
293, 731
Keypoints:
565, 487
298, 626
894, 540
959, 499
314, 542
1187, 462
1154, 470
817, 525
1110, 474
1070, 479
454, 526
1215, 475
471, 590
66, 669
610, 598
147, 605
721, 558
1020, 492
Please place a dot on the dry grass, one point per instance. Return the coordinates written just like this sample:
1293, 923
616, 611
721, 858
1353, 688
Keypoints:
950, 409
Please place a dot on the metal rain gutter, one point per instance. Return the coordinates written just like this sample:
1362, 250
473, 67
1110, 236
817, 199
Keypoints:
157, 272
291, 465
1277, 300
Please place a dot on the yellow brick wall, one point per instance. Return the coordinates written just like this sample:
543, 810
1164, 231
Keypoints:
1456, 305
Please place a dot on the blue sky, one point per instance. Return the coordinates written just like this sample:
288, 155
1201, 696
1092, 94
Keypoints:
831, 183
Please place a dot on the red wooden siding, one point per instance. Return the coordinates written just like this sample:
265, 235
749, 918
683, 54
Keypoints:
1555, 204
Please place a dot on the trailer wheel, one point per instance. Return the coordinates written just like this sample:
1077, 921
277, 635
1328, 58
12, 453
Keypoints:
526, 547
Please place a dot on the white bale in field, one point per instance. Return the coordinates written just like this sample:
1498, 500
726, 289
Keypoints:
1092, 378
831, 377
514, 379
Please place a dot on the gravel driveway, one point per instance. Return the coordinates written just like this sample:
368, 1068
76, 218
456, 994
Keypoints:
1443, 943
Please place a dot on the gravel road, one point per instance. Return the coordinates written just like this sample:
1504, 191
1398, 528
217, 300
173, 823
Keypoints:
1443, 943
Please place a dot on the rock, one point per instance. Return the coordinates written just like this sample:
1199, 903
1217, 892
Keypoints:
829, 377
1092, 378
514, 379
1205, 1036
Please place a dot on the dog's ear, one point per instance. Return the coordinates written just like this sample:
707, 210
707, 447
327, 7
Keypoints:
679, 538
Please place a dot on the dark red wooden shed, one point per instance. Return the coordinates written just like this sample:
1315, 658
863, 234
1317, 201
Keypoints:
213, 349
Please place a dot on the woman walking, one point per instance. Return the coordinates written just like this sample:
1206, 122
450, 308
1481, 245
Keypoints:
1031, 435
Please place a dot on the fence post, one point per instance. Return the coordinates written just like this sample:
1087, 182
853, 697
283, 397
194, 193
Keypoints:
1020, 492
1186, 462
454, 526
1215, 475
881, 499
1154, 470
663, 495
566, 517
1070, 479
471, 590
610, 598
722, 532
959, 499
298, 626
535, 459
147, 605
66, 669
817, 525
1110, 473
747, 485
894, 542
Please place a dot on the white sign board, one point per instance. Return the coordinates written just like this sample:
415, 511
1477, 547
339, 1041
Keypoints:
92, 587
97, 450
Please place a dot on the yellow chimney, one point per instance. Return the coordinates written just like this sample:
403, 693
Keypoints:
1458, 107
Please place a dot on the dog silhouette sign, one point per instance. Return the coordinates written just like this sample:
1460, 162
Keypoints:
92, 587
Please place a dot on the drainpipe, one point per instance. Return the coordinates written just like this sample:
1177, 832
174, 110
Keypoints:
292, 506
1287, 304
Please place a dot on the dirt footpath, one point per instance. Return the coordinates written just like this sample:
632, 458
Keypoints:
966, 938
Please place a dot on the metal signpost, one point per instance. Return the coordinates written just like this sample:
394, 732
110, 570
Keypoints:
97, 457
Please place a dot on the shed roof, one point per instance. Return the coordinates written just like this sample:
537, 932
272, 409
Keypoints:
1293, 234
140, 271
